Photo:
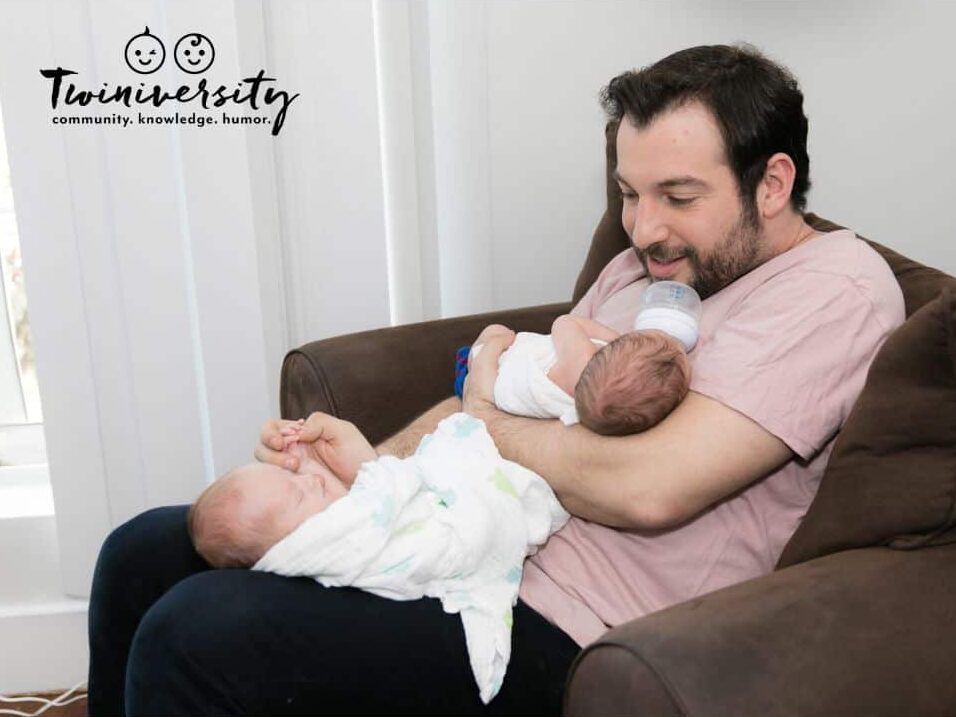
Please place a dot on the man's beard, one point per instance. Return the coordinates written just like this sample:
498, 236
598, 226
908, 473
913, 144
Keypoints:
732, 257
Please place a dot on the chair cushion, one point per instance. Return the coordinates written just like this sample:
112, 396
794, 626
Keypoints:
891, 479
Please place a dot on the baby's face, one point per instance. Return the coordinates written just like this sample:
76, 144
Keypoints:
281, 500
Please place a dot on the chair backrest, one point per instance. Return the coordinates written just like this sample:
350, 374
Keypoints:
920, 284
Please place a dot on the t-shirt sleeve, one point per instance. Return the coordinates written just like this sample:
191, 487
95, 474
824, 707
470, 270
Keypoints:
793, 355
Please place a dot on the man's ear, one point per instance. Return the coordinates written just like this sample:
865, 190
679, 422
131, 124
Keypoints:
773, 192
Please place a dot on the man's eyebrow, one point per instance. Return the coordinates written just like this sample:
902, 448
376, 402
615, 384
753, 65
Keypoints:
685, 182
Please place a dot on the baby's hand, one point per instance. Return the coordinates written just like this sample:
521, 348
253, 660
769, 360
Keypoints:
290, 434
308, 462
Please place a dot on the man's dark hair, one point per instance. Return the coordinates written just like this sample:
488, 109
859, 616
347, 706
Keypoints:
757, 105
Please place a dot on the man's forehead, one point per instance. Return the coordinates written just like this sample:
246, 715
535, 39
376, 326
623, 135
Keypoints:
682, 146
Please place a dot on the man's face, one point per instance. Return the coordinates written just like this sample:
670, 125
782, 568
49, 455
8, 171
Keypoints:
682, 209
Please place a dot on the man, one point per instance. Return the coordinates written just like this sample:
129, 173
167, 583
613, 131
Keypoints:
713, 170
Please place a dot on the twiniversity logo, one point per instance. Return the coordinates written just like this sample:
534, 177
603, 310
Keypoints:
193, 54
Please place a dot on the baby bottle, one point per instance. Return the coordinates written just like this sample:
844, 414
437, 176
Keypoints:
673, 308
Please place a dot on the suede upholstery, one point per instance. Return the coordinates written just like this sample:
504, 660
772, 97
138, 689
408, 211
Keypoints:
859, 618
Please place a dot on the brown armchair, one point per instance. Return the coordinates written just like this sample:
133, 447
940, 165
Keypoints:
860, 616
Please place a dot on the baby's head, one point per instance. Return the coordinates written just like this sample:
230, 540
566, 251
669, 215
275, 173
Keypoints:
632, 383
250, 509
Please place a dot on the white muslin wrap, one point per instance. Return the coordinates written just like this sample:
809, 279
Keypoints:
454, 522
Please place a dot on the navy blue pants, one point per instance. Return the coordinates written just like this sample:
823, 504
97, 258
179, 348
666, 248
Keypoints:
169, 636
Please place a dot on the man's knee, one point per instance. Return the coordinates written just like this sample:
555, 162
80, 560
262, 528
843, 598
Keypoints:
138, 541
193, 647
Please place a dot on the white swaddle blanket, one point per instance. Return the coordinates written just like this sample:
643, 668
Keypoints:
454, 522
523, 387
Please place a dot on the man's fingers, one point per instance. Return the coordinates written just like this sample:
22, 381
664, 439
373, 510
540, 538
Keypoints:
482, 372
492, 348
493, 330
322, 425
314, 427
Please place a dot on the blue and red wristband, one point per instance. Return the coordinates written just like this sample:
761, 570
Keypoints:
461, 369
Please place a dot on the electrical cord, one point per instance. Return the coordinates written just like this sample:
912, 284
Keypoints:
58, 701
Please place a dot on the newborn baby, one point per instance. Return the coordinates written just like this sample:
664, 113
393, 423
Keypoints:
455, 522
614, 384
251, 508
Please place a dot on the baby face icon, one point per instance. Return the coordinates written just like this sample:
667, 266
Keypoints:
145, 53
194, 53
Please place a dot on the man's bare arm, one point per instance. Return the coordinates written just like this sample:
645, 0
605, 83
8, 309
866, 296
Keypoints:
700, 454
404, 443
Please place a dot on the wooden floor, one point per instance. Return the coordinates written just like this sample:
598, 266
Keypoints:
74, 709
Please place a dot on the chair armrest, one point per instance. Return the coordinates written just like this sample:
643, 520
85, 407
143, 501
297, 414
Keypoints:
864, 632
381, 380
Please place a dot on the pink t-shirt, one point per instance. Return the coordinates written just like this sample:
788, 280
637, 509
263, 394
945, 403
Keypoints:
787, 345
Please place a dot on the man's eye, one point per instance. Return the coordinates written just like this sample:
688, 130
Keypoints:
627, 195
680, 201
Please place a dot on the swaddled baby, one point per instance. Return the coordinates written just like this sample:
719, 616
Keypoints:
613, 384
455, 522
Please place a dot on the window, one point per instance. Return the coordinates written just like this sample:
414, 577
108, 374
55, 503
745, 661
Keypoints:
24, 480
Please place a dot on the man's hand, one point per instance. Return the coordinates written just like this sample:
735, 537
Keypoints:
336, 443
478, 397
332, 442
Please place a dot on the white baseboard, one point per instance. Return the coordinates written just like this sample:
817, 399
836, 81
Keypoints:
44, 645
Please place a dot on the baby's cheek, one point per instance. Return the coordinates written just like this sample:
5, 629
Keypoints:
283, 523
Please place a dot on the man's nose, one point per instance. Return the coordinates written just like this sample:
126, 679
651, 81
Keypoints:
650, 226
